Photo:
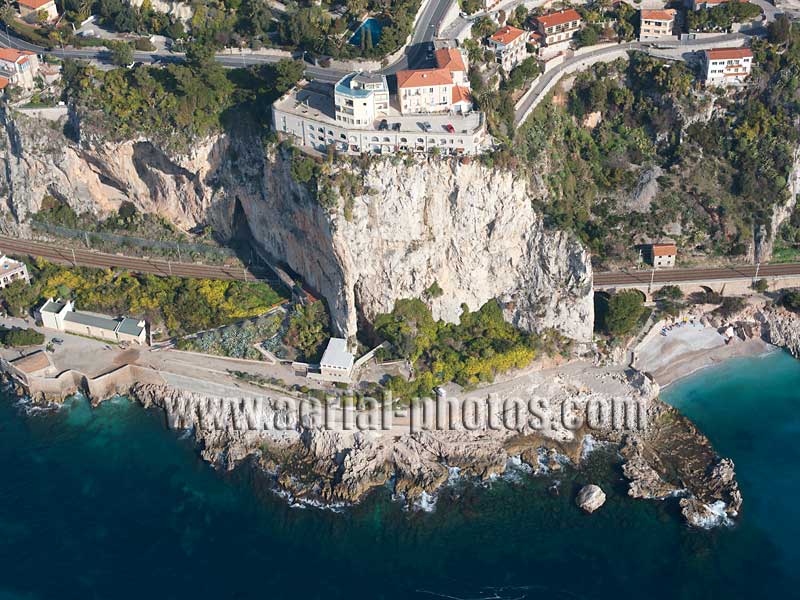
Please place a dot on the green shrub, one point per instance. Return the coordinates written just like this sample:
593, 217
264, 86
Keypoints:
20, 337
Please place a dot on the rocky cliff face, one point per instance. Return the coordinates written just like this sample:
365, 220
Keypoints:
468, 228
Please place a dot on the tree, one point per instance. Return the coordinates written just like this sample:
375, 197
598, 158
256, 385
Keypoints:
121, 54
780, 29
624, 311
761, 286
20, 337
18, 297
791, 300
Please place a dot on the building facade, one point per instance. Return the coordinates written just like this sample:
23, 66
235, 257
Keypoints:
557, 29
62, 316
424, 91
360, 98
29, 10
509, 48
12, 270
655, 24
19, 67
336, 363
727, 66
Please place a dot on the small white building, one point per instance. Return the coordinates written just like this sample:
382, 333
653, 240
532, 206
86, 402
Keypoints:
655, 24
12, 270
62, 316
509, 48
336, 363
727, 66
663, 255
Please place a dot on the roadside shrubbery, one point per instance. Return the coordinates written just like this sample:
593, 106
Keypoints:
20, 337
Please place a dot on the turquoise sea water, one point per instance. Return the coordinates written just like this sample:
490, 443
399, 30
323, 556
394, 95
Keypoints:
107, 503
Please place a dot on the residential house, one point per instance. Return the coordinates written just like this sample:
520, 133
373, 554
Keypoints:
655, 24
12, 270
557, 29
19, 67
62, 316
442, 89
663, 255
727, 66
29, 10
360, 98
508, 44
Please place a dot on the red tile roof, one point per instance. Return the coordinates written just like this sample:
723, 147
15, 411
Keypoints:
423, 77
506, 35
559, 18
665, 250
3, 83
12, 55
450, 59
33, 4
461, 94
658, 15
728, 53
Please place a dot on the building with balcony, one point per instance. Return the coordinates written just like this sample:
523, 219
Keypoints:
727, 66
359, 98
557, 29
30, 10
655, 24
19, 67
509, 48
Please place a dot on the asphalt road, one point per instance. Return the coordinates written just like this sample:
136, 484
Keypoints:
88, 258
638, 278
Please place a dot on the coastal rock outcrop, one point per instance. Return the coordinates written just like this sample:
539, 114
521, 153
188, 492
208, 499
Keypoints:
399, 227
781, 327
590, 498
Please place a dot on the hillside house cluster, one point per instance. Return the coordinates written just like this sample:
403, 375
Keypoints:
18, 68
509, 46
12, 270
62, 316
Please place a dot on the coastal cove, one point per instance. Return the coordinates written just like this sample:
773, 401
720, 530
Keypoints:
108, 503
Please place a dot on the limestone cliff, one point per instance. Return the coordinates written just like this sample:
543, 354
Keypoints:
467, 227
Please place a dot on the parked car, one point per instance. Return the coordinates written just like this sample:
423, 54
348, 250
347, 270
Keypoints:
57, 341
426, 126
395, 126
450, 128
383, 125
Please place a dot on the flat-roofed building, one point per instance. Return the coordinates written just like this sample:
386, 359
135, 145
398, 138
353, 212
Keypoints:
12, 270
655, 24
727, 66
336, 363
509, 48
62, 316
360, 98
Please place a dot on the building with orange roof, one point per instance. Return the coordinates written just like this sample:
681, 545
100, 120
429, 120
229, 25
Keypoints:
444, 88
727, 66
453, 60
656, 24
663, 255
558, 28
29, 10
19, 67
508, 44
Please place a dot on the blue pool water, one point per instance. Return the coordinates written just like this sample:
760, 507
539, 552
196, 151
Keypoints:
374, 26
108, 503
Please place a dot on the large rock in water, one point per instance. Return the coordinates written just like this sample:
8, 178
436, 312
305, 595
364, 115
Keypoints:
590, 498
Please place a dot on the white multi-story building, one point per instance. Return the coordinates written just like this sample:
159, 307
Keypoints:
12, 270
360, 98
727, 66
19, 67
443, 89
655, 24
508, 44
557, 29
306, 114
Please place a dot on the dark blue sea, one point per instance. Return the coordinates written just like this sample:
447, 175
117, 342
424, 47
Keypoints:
108, 503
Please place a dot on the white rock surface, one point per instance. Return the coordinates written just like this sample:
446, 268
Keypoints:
590, 498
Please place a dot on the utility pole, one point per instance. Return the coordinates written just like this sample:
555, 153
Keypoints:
169, 266
652, 277
74, 262
178, 246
